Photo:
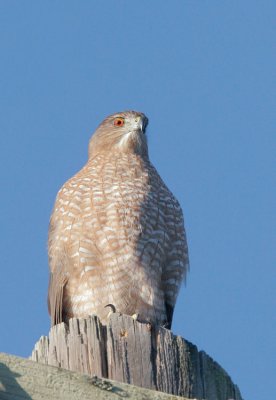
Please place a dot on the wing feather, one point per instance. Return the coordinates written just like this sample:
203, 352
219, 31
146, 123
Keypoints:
57, 283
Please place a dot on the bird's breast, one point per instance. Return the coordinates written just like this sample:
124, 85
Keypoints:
104, 201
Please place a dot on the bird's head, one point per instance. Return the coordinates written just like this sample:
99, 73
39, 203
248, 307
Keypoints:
121, 132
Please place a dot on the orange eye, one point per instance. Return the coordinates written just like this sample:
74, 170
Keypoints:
119, 121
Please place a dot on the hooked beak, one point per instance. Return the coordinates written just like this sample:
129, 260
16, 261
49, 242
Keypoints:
142, 123
145, 122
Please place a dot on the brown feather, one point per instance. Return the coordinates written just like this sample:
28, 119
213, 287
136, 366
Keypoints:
116, 234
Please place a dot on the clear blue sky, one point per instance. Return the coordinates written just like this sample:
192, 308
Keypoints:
202, 71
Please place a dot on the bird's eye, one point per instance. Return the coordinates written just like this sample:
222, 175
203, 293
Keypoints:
119, 121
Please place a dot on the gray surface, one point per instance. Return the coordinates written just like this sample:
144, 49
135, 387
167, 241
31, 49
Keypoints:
22, 379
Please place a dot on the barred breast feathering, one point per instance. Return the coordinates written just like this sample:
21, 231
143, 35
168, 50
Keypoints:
116, 233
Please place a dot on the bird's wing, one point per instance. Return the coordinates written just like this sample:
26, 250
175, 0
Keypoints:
57, 281
177, 260
58, 262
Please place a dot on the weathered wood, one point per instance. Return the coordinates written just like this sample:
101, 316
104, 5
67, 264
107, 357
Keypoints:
22, 379
133, 352
79, 347
129, 352
178, 366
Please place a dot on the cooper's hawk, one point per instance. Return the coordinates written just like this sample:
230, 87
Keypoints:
116, 233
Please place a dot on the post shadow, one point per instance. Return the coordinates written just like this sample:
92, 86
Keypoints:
9, 387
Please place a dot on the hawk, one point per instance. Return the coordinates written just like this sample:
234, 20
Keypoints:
116, 234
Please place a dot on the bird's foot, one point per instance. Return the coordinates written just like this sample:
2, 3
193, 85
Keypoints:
166, 325
112, 309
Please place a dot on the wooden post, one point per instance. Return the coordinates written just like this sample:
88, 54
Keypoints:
132, 352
